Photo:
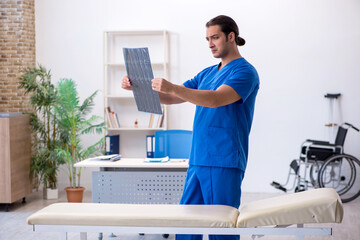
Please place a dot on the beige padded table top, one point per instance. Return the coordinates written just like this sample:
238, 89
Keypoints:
159, 215
319, 205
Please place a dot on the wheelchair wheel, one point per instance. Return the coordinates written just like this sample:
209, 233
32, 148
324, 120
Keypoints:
339, 172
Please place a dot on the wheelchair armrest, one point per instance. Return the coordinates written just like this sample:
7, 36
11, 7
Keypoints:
317, 142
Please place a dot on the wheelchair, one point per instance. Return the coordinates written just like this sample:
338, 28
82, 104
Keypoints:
325, 165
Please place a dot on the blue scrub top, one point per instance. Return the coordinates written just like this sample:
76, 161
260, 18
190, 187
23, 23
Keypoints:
221, 135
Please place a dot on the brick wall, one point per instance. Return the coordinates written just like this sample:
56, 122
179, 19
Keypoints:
17, 51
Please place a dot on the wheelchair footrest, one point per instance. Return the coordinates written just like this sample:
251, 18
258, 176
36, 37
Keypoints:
278, 186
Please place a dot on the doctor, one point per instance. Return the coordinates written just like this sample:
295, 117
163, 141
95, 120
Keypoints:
224, 95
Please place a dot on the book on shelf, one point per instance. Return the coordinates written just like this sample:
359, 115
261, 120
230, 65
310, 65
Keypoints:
161, 119
151, 120
107, 113
117, 120
156, 121
112, 118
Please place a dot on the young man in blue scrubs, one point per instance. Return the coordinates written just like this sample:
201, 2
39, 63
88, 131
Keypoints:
224, 96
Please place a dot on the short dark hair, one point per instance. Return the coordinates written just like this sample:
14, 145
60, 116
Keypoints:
227, 25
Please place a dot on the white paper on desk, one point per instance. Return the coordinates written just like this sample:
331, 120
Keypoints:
104, 157
178, 160
157, 160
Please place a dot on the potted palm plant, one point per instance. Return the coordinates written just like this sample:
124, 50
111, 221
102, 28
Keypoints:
44, 162
74, 122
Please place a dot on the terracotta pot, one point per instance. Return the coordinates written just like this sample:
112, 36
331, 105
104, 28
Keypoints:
75, 194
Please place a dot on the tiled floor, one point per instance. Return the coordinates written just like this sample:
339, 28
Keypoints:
13, 223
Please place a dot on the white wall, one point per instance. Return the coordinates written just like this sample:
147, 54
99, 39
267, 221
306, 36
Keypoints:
302, 50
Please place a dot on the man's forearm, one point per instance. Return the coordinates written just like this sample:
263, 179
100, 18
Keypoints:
169, 99
205, 98
182, 94
172, 93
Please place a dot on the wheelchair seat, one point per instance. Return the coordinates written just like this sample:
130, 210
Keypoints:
315, 150
318, 154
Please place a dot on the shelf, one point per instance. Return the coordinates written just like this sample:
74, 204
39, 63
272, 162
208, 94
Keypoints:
154, 64
135, 129
138, 33
129, 96
122, 102
120, 97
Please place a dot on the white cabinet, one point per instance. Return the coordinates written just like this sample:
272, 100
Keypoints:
121, 102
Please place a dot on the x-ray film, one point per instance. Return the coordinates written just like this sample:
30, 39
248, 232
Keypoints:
138, 68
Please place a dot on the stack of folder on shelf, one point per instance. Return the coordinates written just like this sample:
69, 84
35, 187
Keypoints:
112, 144
150, 146
156, 121
112, 118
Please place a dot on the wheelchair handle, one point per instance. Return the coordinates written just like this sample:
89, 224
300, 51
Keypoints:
352, 126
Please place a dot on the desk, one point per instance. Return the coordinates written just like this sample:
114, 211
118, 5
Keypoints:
131, 180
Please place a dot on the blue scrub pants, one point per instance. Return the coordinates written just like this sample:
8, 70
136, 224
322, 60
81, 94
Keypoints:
212, 186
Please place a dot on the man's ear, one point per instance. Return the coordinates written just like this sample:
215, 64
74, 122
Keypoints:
231, 37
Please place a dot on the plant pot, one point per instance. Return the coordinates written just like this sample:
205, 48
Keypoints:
49, 193
75, 194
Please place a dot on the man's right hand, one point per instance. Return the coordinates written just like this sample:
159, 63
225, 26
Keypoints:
125, 83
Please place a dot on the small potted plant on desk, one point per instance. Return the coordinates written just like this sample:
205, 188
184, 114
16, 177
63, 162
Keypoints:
44, 161
73, 122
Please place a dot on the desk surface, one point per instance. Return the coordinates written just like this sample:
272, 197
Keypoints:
133, 163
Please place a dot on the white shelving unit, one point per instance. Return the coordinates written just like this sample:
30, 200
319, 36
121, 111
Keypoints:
122, 102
